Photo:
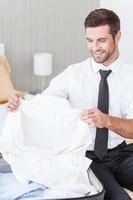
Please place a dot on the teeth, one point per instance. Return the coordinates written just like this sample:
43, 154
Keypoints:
97, 54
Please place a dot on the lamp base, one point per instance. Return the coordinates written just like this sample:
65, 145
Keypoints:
43, 83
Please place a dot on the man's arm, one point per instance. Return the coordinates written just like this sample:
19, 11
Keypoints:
95, 117
58, 87
123, 127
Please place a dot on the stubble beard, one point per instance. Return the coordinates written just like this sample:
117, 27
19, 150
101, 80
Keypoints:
103, 58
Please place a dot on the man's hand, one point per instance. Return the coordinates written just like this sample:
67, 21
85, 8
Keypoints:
13, 103
95, 118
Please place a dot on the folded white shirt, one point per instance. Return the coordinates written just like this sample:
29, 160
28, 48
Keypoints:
45, 142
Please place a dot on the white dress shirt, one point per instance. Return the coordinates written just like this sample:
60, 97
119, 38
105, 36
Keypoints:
79, 83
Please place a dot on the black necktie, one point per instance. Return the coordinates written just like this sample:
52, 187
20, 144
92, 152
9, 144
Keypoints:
101, 140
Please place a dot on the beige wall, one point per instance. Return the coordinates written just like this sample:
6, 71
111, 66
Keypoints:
31, 26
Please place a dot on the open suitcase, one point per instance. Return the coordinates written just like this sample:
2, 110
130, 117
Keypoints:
4, 168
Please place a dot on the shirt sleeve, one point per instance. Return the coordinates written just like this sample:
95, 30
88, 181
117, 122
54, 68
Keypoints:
59, 86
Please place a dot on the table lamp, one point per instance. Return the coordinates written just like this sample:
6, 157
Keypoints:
43, 66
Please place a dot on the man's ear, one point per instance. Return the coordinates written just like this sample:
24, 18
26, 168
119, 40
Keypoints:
118, 37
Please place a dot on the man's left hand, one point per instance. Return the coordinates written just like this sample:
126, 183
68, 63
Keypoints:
95, 118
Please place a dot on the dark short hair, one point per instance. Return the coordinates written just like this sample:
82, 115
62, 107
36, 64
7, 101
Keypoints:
101, 17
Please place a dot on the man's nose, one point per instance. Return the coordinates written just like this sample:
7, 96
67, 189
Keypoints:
95, 46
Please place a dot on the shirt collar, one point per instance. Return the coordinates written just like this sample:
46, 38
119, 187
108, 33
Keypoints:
97, 66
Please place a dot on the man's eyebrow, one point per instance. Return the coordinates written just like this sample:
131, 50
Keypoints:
88, 38
101, 38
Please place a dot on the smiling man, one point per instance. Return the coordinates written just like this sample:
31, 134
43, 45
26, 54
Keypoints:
102, 45
102, 87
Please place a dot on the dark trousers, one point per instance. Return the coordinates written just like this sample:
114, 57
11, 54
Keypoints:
115, 171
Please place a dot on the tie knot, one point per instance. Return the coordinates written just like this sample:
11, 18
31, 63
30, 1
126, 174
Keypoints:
104, 73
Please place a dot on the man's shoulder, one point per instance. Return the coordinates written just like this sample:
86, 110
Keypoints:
126, 72
127, 68
85, 64
75, 69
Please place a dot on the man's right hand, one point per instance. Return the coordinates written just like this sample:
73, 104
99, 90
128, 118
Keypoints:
13, 103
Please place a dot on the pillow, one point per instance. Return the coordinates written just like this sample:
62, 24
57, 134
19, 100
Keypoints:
6, 87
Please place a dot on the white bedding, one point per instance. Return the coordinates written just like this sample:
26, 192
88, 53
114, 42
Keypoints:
3, 115
35, 160
3, 111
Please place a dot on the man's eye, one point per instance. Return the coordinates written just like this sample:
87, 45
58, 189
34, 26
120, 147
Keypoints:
89, 41
102, 40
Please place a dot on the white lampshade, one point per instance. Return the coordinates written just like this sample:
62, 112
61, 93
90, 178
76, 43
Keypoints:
43, 64
2, 49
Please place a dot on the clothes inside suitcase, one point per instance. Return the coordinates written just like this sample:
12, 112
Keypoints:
4, 168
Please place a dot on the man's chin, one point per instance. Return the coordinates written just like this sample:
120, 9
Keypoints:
98, 60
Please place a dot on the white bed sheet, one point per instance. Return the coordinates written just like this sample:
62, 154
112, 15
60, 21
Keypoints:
3, 114
3, 111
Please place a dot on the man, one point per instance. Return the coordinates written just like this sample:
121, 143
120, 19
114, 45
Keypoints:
102, 86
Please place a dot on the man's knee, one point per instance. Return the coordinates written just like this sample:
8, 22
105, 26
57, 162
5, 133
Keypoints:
113, 190
126, 168
124, 173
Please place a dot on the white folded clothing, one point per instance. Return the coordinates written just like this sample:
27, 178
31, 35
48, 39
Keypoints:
45, 142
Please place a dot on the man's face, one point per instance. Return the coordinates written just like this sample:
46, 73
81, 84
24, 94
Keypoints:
102, 46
